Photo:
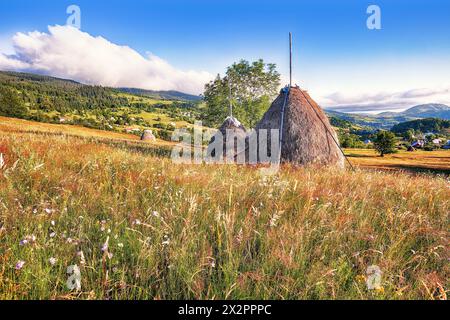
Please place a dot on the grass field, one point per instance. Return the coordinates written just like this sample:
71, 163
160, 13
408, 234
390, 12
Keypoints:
140, 227
418, 161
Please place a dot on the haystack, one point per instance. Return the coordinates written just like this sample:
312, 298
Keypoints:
307, 138
233, 128
148, 136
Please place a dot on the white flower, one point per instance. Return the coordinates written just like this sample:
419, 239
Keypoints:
82, 259
52, 261
137, 222
273, 220
166, 241
53, 234
48, 210
156, 214
120, 245
53, 223
2, 161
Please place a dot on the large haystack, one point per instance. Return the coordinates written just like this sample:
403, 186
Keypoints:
306, 138
232, 127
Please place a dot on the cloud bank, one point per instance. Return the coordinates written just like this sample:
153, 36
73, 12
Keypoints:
385, 101
67, 52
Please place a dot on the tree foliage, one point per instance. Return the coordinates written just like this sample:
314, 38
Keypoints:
252, 86
10, 104
384, 142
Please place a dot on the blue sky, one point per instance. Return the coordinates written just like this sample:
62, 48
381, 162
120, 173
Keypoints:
337, 57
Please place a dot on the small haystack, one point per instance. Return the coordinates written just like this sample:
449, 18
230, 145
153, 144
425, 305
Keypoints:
232, 127
307, 137
148, 136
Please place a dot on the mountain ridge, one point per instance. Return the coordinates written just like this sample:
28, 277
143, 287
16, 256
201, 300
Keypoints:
386, 120
157, 94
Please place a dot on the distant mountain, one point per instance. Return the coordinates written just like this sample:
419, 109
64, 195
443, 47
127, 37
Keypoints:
386, 120
166, 95
440, 111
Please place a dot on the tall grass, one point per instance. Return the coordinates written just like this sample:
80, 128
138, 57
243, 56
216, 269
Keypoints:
211, 232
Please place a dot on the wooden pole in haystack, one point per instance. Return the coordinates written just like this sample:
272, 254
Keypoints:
229, 97
290, 59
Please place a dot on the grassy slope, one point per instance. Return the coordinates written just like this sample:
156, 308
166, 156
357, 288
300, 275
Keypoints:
220, 231
9, 125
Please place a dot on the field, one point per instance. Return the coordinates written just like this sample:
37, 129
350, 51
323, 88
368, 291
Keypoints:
418, 161
140, 227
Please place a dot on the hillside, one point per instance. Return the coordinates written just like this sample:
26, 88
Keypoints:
166, 95
53, 100
423, 125
387, 120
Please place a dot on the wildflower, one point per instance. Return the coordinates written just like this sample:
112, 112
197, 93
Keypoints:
27, 240
20, 264
166, 241
273, 220
239, 236
120, 245
156, 214
2, 161
48, 210
53, 223
105, 245
379, 290
102, 225
137, 222
81, 255
53, 234
52, 261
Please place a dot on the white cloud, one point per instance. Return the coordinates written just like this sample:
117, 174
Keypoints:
70, 53
385, 101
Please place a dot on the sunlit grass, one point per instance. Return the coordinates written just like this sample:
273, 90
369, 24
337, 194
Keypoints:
211, 232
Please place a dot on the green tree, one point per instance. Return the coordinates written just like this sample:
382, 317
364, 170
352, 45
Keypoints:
409, 135
10, 104
384, 142
252, 88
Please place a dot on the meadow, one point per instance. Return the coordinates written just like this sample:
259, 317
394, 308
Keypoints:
140, 227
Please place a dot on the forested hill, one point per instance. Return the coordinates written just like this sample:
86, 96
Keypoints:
168, 95
423, 125
53, 94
